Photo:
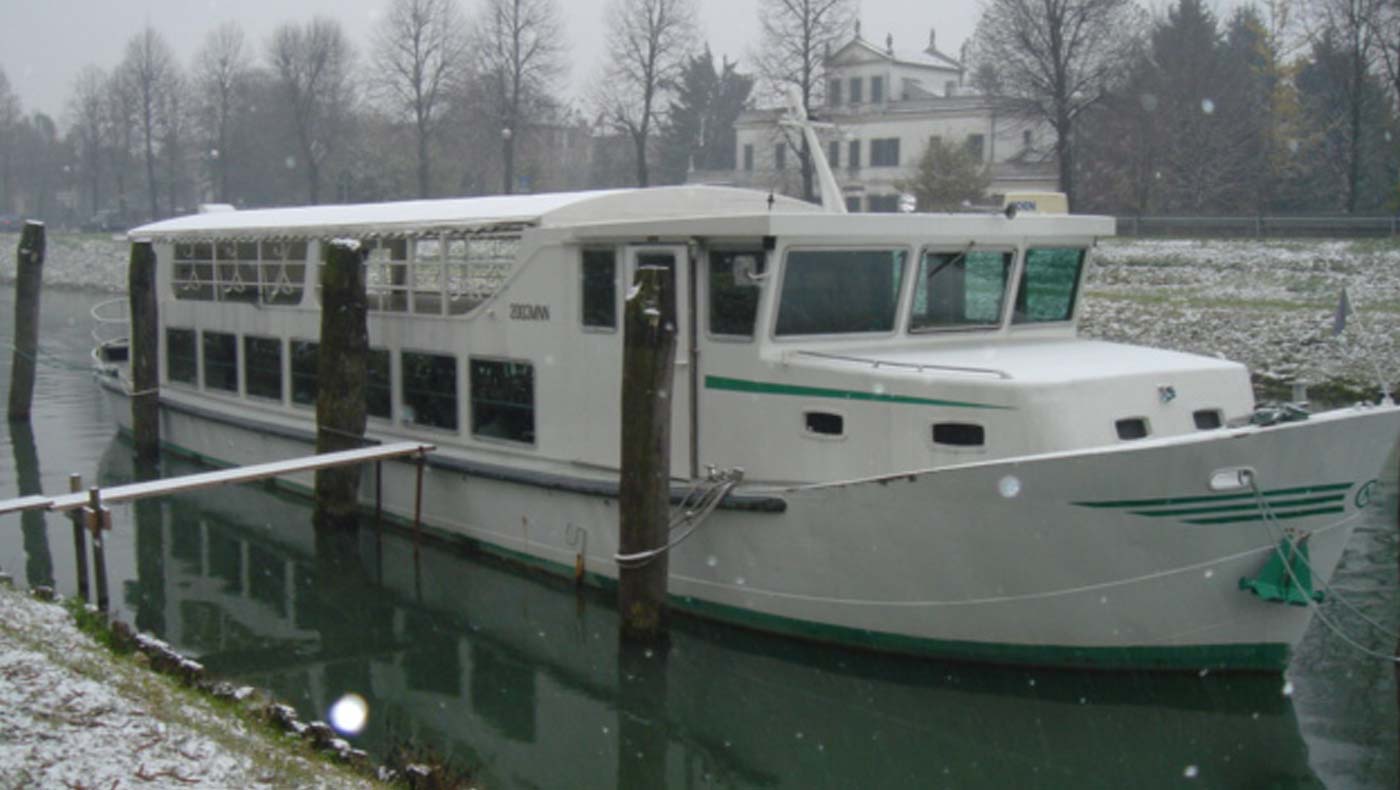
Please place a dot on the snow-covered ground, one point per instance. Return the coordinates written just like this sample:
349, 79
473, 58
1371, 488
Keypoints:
1269, 304
74, 715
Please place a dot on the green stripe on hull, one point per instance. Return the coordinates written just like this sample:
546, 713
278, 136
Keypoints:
770, 388
1284, 516
1267, 657
1250, 507
1188, 500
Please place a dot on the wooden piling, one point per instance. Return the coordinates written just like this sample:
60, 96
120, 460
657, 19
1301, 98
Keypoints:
29, 277
341, 372
145, 344
644, 502
97, 522
80, 559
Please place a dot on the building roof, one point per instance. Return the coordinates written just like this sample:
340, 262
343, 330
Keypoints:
929, 58
544, 210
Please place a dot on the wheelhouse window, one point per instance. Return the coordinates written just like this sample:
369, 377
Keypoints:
840, 291
262, 365
503, 399
1049, 283
733, 296
221, 361
599, 286
430, 390
960, 290
181, 356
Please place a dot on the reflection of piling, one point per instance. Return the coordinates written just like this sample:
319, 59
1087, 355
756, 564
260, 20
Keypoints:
642, 734
29, 276
38, 563
145, 368
80, 560
98, 521
649, 348
341, 373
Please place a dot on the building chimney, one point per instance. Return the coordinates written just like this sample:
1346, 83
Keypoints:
857, 28
889, 43
932, 48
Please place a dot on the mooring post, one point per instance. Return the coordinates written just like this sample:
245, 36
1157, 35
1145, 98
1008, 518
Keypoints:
29, 277
75, 484
644, 498
341, 371
145, 344
98, 522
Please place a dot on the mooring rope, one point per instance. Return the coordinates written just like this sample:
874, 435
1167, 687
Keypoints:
713, 490
48, 359
1270, 523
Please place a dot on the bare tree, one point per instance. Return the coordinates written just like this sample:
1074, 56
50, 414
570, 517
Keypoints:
420, 53
648, 42
10, 118
149, 71
1353, 29
1054, 59
119, 137
521, 46
795, 37
312, 68
86, 114
221, 74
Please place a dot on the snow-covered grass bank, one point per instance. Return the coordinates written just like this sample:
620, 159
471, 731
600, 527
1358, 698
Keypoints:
1266, 303
73, 714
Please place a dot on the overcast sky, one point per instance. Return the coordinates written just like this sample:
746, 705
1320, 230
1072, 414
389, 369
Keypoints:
43, 43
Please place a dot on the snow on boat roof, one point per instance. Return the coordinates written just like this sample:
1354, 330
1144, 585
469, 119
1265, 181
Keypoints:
546, 210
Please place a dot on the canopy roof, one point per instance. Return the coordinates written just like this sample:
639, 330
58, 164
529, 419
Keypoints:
478, 213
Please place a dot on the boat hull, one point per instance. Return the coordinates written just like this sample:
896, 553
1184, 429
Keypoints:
1121, 557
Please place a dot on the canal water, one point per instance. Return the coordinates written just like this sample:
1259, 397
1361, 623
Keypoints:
519, 678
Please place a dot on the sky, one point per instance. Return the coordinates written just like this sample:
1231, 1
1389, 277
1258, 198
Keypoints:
43, 43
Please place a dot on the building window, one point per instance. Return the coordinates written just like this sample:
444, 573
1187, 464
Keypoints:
733, 304
877, 89
430, 390
856, 92
1025, 138
503, 400
853, 155
883, 204
833, 153
599, 285
884, 153
221, 361
976, 145
262, 366
833, 97
853, 205
748, 156
949, 87
780, 156
181, 357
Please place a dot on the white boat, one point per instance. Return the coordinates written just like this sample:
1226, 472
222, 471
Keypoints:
933, 460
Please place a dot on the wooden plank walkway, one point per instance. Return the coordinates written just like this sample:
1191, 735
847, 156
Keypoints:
238, 474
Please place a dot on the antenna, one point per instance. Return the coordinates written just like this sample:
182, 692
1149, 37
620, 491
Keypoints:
797, 118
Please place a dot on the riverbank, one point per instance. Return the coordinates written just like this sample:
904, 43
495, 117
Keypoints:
73, 714
1267, 303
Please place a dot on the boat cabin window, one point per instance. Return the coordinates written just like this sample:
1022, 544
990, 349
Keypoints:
436, 274
733, 293
269, 272
181, 356
377, 386
503, 399
598, 280
959, 434
430, 389
840, 291
221, 361
262, 366
957, 290
1132, 428
1208, 419
1049, 282
824, 423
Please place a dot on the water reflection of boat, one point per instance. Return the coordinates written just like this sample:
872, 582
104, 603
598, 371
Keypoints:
517, 676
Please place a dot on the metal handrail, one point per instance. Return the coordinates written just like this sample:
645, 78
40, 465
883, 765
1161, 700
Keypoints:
920, 367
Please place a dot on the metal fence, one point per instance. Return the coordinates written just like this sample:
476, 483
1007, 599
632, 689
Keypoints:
1346, 227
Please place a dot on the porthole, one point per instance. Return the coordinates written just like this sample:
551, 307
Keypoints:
1208, 419
824, 423
1132, 428
959, 434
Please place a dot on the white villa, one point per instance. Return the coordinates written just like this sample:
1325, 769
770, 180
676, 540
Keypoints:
885, 106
